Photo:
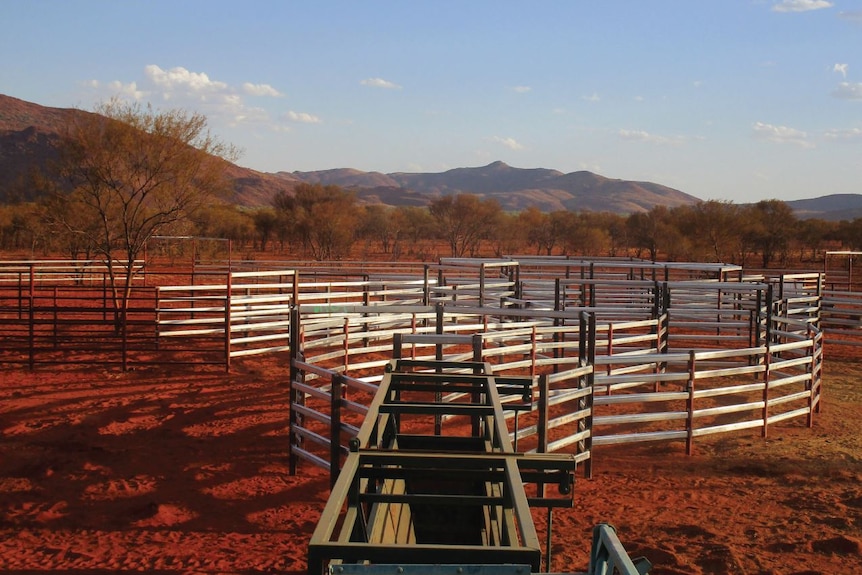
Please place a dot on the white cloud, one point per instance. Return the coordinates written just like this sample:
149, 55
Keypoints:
781, 135
848, 91
521, 89
260, 90
594, 97
301, 117
510, 143
642, 136
179, 78
117, 88
380, 83
841, 69
224, 104
801, 5
844, 134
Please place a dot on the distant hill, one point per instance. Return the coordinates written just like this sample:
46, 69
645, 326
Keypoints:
29, 134
834, 207
514, 188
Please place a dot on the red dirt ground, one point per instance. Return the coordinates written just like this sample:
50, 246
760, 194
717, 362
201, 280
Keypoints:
104, 472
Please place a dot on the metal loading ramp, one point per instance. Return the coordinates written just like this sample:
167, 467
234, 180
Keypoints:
432, 483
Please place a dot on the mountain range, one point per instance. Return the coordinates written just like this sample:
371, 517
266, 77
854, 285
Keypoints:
29, 134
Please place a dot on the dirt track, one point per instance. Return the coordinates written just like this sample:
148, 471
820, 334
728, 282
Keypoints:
187, 473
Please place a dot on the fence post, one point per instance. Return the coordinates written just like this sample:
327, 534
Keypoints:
158, 313
439, 330
105, 296
477, 344
438, 355
397, 340
544, 392
476, 397
292, 393
766, 379
227, 318
426, 288
32, 317
56, 318
689, 421
124, 336
588, 344
610, 348
335, 428
813, 387
346, 344
482, 284
533, 350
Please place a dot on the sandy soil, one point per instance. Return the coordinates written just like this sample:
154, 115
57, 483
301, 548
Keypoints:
102, 471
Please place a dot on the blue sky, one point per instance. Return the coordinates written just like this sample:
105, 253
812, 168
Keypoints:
735, 100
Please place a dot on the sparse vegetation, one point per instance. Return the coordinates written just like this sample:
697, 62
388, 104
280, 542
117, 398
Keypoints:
126, 174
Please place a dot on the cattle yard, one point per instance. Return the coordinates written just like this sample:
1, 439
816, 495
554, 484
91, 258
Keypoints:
666, 351
594, 352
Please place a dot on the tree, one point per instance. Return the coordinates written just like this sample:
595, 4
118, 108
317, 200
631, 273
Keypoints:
265, 223
588, 234
812, 235
713, 226
419, 230
510, 235
774, 223
536, 225
322, 218
135, 172
464, 220
227, 222
20, 227
650, 230
547, 230
384, 224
